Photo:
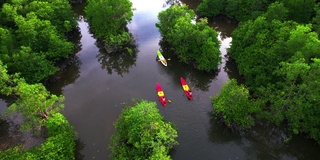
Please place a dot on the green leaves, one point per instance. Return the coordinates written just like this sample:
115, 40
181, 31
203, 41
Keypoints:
299, 101
238, 9
31, 39
142, 133
234, 106
211, 8
258, 48
299, 10
192, 41
60, 143
33, 67
6, 80
35, 104
108, 18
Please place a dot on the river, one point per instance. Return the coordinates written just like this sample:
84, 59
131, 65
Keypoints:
97, 85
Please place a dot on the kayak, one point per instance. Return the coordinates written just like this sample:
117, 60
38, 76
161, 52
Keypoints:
161, 58
161, 96
186, 88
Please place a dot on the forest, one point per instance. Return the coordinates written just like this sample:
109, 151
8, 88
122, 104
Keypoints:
275, 47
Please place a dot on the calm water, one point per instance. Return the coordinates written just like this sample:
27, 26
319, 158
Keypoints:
97, 85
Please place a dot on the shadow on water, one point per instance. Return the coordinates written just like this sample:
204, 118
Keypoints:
66, 76
219, 133
79, 147
231, 69
268, 141
264, 141
9, 135
224, 25
69, 68
119, 61
195, 78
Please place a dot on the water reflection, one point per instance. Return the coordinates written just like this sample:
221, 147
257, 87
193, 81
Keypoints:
224, 25
266, 141
68, 75
119, 61
70, 67
231, 69
8, 135
219, 133
79, 147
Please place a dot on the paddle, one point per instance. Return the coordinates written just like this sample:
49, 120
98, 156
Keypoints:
169, 101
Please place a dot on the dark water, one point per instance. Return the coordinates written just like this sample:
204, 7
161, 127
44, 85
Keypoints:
97, 85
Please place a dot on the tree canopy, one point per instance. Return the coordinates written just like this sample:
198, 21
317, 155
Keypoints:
234, 106
191, 40
301, 11
38, 109
59, 144
142, 133
258, 48
280, 62
32, 36
108, 20
238, 9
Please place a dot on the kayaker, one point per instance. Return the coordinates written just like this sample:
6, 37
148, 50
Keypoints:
190, 93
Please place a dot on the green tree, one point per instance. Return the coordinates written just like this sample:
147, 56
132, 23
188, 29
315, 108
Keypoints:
211, 8
277, 11
32, 66
296, 100
42, 37
300, 11
38, 45
108, 20
6, 44
60, 143
7, 81
142, 133
316, 19
258, 48
35, 104
191, 41
234, 106
58, 12
238, 9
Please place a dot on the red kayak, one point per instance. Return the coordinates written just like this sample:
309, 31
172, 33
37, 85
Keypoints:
161, 96
186, 88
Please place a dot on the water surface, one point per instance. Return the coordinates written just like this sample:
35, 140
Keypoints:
99, 84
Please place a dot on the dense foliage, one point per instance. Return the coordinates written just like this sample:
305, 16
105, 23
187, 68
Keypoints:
258, 47
300, 11
238, 9
35, 104
32, 36
280, 61
296, 100
142, 133
316, 19
234, 106
39, 109
108, 20
190, 40
59, 144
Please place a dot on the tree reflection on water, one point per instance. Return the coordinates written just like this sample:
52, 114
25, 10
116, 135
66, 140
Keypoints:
119, 61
